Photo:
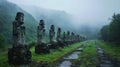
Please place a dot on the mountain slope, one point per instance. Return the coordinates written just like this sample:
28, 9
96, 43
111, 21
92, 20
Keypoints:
63, 20
8, 12
56, 17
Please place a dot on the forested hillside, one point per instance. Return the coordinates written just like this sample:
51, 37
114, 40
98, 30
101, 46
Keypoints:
7, 16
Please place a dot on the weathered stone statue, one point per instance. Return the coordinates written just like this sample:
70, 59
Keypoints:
78, 38
18, 30
41, 46
68, 37
58, 38
59, 34
64, 37
40, 32
53, 42
52, 33
72, 37
19, 54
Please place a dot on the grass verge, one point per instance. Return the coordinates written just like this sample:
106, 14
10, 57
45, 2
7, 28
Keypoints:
51, 58
111, 49
54, 55
4, 59
89, 55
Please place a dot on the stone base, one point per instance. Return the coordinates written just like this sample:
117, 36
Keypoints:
42, 48
60, 44
53, 45
19, 55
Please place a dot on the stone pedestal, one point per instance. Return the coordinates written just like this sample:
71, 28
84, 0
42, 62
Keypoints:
19, 54
53, 42
41, 46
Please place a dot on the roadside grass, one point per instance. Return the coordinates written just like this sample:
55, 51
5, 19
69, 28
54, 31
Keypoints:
4, 60
89, 56
52, 57
111, 49
55, 55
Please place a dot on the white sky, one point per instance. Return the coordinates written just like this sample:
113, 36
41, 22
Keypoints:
94, 11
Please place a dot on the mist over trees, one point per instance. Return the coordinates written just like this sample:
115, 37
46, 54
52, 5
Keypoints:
111, 32
32, 16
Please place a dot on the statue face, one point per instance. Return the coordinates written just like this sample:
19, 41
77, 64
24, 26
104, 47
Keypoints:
41, 24
52, 27
20, 17
59, 29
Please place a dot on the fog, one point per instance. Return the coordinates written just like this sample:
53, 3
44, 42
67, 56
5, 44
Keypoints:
93, 13
89, 11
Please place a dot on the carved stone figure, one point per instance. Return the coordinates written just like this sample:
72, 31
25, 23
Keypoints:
41, 46
68, 37
58, 38
19, 54
59, 34
53, 42
40, 31
72, 37
52, 33
18, 30
64, 36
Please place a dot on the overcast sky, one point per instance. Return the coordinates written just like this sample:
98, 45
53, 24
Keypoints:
94, 11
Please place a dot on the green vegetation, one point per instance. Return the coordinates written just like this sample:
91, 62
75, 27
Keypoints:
3, 59
54, 55
111, 49
111, 33
7, 16
51, 58
89, 56
2, 41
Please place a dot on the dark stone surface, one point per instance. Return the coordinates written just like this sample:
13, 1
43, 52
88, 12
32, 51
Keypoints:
19, 55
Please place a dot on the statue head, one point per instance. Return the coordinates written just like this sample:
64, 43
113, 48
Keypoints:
59, 29
68, 33
20, 17
42, 23
64, 35
72, 34
52, 27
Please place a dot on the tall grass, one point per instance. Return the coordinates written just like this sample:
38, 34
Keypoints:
54, 55
51, 58
89, 56
111, 49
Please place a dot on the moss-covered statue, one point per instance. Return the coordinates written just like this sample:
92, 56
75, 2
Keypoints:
68, 37
41, 46
58, 38
53, 42
72, 37
64, 38
19, 54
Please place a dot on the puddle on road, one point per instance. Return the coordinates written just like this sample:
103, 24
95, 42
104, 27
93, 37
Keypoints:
79, 49
74, 55
66, 60
65, 63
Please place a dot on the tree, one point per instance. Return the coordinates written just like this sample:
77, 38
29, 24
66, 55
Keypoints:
105, 33
115, 28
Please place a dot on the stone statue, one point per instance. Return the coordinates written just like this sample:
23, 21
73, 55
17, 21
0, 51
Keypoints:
68, 35
20, 53
40, 31
59, 34
72, 36
52, 33
78, 38
18, 30
42, 46
64, 36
